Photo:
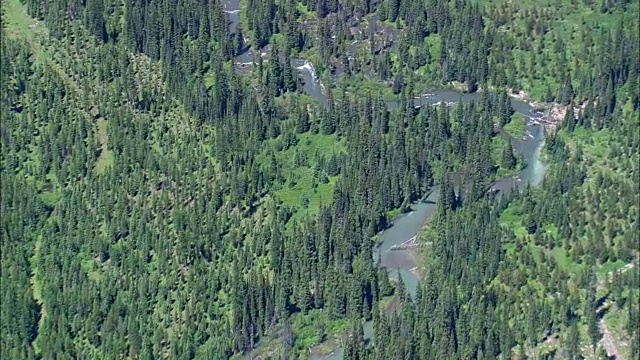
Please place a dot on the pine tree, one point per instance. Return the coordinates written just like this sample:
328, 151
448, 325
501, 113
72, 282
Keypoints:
508, 160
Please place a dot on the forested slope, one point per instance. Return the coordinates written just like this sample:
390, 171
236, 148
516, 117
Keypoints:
156, 203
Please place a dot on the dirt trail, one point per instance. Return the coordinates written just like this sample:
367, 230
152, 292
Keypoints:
608, 340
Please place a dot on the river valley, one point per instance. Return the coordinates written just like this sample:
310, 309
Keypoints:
402, 262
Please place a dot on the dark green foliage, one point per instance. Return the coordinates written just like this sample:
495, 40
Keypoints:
508, 159
140, 177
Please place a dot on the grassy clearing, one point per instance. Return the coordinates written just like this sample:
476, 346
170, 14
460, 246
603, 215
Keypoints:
36, 284
305, 10
551, 229
88, 265
394, 213
610, 267
18, 23
301, 194
105, 159
564, 261
516, 127
427, 75
361, 84
313, 330
308, 326
434, 42
512, 219
51, 198
293, 196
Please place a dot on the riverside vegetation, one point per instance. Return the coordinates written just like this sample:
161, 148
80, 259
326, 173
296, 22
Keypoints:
158, 203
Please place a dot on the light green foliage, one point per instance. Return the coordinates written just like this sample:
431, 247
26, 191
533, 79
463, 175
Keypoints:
156, 203
516, 127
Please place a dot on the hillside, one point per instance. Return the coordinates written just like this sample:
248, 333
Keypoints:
168, 194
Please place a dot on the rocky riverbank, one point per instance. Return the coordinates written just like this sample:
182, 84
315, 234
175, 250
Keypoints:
553, 113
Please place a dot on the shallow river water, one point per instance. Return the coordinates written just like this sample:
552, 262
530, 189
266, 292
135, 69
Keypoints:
406, 226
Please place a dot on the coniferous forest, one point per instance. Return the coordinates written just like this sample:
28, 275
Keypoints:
170, 188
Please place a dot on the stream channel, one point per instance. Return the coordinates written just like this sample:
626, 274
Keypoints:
403, 262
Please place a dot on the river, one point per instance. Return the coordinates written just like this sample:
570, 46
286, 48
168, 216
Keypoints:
232, 9
402, 262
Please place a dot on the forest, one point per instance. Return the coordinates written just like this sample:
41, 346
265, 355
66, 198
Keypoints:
171, 189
